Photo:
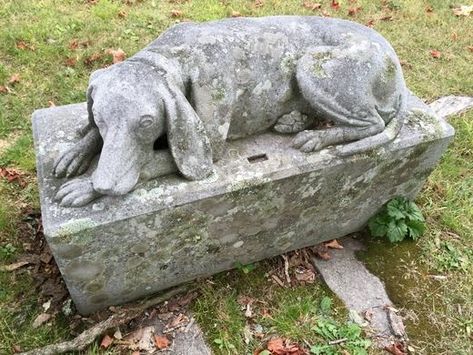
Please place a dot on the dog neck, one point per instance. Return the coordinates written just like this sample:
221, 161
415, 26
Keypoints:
161, 65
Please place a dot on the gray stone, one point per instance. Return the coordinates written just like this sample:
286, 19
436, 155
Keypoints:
264, 198
451, 105
362, 293
199, 86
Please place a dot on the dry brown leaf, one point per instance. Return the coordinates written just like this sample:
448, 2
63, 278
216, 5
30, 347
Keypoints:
122, 14
16, 348
386, 18
312, 5
176, 13
435, 54
396, 349
463, 10
354, 10
41, 319
259, 3
179, 321
429, 9
51, 103
470, 48
335, 5
279, 346
370, 23
333, 244
106, 342
14, 266
305, 275
15, 78
74, 44
161, 342
118, 55
90, 60
70, 62
5, 89
24, 46
235, 14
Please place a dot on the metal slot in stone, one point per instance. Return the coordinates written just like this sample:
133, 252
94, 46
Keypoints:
257, 158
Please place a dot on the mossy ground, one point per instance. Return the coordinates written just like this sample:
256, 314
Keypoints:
54, 46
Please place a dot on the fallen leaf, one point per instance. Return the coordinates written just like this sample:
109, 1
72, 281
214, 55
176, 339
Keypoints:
178, 321
146, 342
370, 23
335, 5
16, 348
11, 175
15, 78
305, 275
333, 244
118, 334
279, 346
118, 55
161, 342
405, 64
235, 14
5, 89
463, 10
70, 62
312, 5
248, 311
73, 44
14, 266
245, 300
429, 9
354, 10
51, 103
396, 349
176, 13
454, 36
122, 14
325, 13
265, 313
46, 305
386, 18
470, 48
259, 3
90, 60
187, 298
106, 342
41, 319
23, 46
435, 53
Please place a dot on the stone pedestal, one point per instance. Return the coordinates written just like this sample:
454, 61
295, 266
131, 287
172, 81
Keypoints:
265, 199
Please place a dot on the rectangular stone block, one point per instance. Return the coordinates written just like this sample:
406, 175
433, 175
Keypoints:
265, 199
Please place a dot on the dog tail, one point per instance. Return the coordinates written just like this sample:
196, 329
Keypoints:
395, 119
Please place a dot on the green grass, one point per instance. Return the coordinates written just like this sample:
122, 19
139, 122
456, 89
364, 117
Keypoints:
37, 42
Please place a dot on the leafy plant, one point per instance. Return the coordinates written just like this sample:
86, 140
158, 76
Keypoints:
7, 251
246, 269
397, 220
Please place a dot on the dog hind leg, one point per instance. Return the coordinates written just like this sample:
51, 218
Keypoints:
331, 84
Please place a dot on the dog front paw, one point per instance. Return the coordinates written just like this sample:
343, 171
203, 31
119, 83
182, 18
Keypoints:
72, 162
76, 193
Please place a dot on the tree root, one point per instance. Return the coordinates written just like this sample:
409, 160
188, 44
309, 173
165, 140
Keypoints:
88, 336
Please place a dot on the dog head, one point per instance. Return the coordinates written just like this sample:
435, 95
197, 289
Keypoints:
133, 104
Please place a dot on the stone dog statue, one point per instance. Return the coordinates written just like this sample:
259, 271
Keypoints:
199, 85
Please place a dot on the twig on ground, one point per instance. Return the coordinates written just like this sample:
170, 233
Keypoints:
338, 341
88, 336
286, 269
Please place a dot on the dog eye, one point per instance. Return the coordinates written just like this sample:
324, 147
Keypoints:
146, 121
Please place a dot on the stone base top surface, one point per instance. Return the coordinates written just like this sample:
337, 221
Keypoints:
265, 198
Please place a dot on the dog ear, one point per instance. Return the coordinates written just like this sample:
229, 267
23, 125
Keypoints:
90, 94
187, 138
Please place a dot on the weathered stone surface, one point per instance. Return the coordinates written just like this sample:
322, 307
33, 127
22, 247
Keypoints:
362, 293
200, 85
264, 199
451, 105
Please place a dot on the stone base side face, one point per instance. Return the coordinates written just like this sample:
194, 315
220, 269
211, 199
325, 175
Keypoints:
114, 261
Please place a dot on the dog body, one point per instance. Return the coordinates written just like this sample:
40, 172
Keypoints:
204, 84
